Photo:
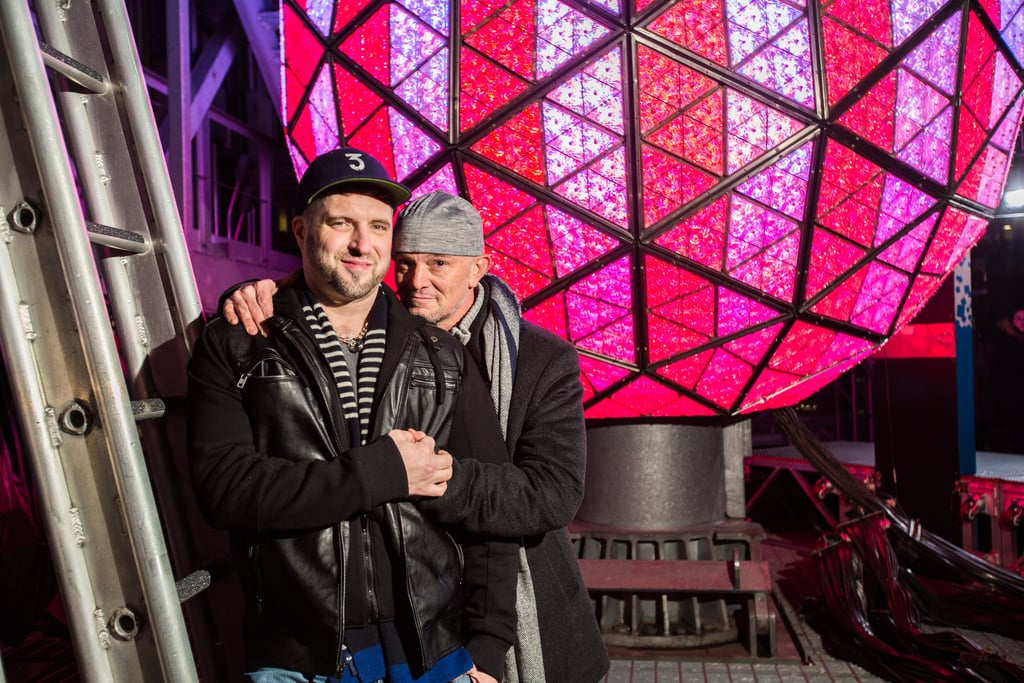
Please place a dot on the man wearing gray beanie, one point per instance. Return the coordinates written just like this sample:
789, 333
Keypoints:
441, 275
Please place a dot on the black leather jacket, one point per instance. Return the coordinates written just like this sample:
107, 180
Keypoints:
273, 462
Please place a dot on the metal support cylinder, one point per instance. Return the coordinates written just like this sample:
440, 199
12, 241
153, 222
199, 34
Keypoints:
654, 477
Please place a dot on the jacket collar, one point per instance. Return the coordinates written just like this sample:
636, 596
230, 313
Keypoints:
401, 323
288, 303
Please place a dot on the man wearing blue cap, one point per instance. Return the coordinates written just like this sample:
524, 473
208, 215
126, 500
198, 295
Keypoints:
308, 445
441, 272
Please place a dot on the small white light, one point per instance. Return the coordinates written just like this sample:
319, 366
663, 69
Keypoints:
1014, 199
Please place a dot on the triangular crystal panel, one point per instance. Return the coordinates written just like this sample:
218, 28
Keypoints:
784, 66
701, 236
849, 57
369, 46
508, 38
668, 184
517, 144
600, 187
595, 92
484, 87
356, 102
563, 33
412, 44
571, 142
695, 25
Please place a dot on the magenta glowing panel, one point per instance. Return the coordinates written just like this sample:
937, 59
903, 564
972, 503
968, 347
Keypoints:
723, 204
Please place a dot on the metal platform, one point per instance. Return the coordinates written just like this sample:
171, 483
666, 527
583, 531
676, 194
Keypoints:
801, 656
800, 653
765, 467
991, 499
990, 465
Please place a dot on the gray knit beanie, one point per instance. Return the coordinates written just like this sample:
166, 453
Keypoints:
439, 223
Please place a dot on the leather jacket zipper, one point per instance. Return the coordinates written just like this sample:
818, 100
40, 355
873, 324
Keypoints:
244, 377
332, 407
371, 595
345, 661
257, 572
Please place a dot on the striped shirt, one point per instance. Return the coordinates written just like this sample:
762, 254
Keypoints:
356, 397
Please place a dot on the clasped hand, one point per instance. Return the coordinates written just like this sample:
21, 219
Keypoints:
427, 470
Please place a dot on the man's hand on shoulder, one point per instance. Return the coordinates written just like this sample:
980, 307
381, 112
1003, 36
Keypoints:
428, 472
251, 305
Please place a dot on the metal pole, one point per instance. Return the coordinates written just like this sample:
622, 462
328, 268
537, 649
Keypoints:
168, 223
113, 406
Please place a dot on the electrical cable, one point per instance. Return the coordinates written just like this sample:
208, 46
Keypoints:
882, 574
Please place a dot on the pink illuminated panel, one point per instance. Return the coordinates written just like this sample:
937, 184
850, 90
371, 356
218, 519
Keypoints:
675, 187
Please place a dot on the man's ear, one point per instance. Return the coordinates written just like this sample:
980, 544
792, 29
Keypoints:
481, 264
299, 230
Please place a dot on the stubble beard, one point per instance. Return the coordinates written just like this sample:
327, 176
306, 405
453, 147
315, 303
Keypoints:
437, 316
345, 284
432, 316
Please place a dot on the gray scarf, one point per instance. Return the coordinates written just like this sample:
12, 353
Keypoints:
500, 332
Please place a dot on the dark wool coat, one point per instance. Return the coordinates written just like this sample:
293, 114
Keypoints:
536, 497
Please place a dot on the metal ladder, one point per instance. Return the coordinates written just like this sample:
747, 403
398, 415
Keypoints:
98, 311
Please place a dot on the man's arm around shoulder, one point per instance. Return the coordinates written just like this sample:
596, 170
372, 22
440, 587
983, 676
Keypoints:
542, 488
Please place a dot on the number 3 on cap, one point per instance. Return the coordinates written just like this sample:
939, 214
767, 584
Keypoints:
356, 161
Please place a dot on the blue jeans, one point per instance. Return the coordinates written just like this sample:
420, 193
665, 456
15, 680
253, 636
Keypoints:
268, 674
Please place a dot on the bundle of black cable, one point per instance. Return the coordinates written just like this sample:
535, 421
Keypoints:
889, 612
881, 574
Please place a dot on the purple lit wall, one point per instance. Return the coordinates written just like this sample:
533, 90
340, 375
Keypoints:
723, 204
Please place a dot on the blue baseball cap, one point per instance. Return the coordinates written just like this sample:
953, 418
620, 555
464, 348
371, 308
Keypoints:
347, 165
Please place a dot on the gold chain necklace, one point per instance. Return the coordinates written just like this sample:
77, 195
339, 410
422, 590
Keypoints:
355, 343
